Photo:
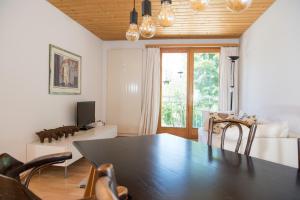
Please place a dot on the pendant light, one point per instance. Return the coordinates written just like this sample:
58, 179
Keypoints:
199, 5
238, 5
133, 33
147, 28
166, 16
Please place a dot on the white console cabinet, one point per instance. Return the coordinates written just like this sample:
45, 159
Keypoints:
37, 149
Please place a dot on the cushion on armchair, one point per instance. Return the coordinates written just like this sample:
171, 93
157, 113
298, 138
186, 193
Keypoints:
218, 128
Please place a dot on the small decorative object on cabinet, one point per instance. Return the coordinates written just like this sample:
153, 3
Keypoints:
57, 133
46, 134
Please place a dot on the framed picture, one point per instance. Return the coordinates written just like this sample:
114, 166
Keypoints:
65, 71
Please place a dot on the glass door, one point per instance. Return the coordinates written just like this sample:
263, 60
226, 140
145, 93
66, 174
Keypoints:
173, 112
205, 90
189, 88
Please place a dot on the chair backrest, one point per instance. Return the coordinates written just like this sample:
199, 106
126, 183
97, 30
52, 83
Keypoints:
8, 163
106, 185
104, 190
230, 123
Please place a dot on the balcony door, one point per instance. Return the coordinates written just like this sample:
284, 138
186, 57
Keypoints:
189, 87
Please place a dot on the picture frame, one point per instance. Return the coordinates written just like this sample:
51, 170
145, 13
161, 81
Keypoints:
64, 71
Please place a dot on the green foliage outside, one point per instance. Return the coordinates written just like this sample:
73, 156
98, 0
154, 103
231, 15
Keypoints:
174, 110
206, 85
206, 92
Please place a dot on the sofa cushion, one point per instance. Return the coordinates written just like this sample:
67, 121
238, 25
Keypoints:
279, 150
272, 130
293, 134
232, 133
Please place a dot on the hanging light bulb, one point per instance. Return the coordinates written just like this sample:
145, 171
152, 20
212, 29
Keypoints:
147, 28
166, 16
238, 5
199, 5
133, 33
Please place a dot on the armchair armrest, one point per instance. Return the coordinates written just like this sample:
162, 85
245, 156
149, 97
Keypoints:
39, 163
47, 159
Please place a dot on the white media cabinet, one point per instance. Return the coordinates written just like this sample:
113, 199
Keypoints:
37, 149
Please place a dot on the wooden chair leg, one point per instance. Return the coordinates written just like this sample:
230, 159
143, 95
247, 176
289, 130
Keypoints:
210, 130
90, 187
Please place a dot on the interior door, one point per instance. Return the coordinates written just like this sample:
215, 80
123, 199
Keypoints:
124, 95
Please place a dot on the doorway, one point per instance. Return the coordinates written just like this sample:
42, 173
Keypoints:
189, 87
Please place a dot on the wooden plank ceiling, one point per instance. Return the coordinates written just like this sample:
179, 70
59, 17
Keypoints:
109, 19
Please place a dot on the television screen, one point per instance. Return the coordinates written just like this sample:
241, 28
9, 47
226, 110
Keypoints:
85, 114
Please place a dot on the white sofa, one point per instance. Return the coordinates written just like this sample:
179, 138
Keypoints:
272, 142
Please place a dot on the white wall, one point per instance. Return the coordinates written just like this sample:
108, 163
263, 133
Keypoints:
27, 29
270, 69
140, 45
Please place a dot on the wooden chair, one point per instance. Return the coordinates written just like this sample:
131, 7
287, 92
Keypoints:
238, 124
106, 187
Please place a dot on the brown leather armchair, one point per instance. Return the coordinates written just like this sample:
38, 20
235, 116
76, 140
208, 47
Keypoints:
11, 167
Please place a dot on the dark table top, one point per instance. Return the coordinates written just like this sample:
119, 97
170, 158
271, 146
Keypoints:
166, 167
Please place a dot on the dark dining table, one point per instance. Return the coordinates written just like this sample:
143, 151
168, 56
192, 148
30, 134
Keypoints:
167, 167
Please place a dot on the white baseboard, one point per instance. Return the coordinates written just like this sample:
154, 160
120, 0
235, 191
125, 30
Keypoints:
127, 134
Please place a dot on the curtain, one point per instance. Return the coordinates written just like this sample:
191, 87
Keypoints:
151, 92
225, 77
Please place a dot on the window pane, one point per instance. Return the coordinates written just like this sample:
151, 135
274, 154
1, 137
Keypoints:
206, 85
174, 89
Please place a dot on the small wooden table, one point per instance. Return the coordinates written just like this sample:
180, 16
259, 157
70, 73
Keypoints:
165, 167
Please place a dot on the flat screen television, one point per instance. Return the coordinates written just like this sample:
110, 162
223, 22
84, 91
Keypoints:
85, 114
